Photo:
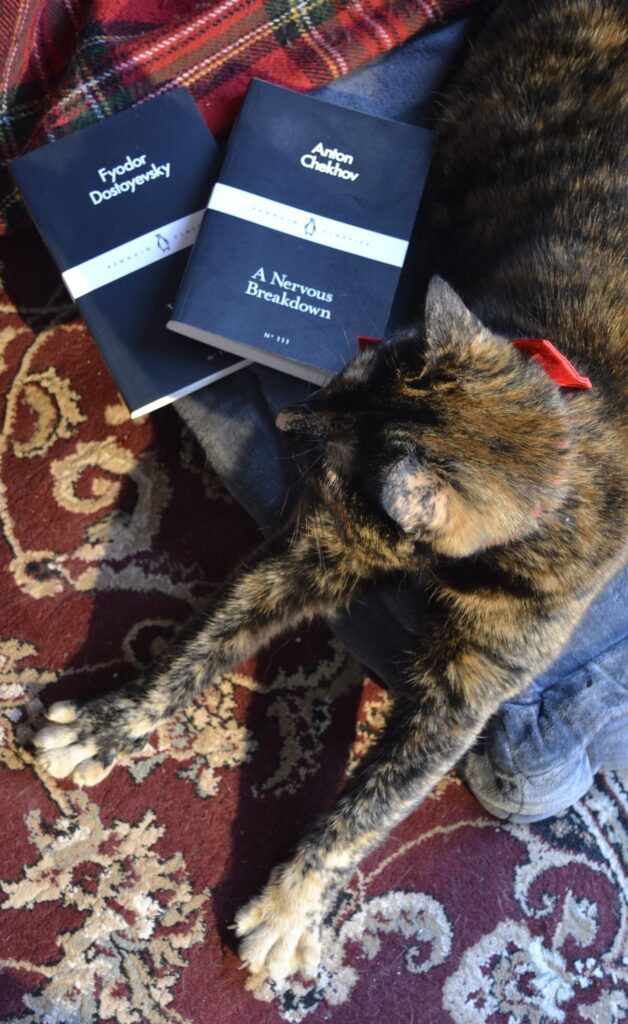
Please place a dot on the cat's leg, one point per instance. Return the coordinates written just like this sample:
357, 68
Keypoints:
424, 737
281, 585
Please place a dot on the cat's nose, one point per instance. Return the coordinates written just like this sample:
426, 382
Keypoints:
298, 419
283, 419
295, 417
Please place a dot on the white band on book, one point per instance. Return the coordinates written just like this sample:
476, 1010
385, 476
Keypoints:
133, 255
310, 227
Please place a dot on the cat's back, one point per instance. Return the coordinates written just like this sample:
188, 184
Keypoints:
529, 185
529, 222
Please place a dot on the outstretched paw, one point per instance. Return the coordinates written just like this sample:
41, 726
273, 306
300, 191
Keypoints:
81, 742
280, 936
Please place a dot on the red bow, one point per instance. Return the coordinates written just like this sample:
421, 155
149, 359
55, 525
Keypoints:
556, 366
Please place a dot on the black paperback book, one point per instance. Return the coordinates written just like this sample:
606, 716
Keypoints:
119, 204
306, 233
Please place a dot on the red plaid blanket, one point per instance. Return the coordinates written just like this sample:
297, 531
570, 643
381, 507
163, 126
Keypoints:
64, 65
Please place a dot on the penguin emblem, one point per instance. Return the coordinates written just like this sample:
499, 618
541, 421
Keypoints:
310, 227
162, 242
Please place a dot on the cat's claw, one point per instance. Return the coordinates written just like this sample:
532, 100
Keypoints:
279, 937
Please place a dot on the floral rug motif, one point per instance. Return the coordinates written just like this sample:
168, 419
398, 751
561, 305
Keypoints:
115, 902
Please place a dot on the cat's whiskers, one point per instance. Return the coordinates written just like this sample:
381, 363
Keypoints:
304, 471
316, 524
285, 501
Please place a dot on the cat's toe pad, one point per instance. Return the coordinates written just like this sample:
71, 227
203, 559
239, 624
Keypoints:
63, 761
277, 940
65, 746
62, 711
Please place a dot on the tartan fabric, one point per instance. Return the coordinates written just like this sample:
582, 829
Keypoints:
67, 64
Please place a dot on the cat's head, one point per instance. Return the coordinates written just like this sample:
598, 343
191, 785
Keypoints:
448, 434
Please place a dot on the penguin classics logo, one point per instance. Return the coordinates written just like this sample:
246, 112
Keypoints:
331, 161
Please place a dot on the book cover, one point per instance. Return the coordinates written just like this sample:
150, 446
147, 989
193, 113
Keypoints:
306, 233
119, 204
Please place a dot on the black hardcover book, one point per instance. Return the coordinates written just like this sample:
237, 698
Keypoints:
119, 204
306, 233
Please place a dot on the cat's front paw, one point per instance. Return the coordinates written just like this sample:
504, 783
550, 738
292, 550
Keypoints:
279, 933
82, 742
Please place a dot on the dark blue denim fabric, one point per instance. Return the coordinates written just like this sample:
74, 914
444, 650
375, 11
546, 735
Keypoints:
539, 752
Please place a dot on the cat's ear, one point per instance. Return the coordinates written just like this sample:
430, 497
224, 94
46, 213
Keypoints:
414, 497
447, 319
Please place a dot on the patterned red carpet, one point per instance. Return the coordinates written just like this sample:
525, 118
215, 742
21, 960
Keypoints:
115, 902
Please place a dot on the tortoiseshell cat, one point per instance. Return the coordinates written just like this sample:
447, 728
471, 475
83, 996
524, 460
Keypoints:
447, 455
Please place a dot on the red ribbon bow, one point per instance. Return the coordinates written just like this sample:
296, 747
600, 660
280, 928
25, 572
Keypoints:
556, 365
